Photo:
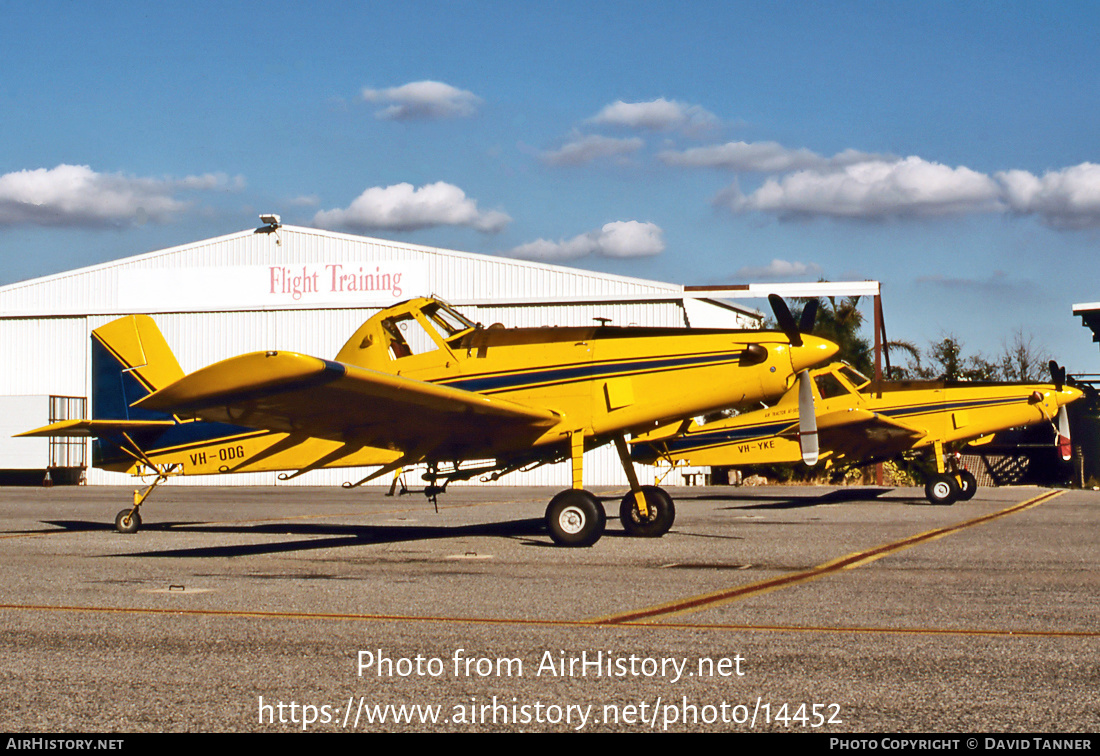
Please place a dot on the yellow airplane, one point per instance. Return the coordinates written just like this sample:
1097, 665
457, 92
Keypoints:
839, 416
419, 383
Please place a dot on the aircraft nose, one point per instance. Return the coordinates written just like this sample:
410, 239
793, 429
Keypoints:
1068, 394
814, 350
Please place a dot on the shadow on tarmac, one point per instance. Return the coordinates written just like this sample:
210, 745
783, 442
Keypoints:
780, 501
309, 536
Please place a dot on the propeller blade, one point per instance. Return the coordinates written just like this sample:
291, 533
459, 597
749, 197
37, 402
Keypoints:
809, 315
807, 420
785, 320
1064, 445
1057, 375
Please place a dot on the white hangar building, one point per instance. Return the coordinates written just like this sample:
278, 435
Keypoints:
290, 288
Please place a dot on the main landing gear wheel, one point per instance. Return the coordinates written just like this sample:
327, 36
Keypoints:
127, 521
575, 518
659, 517
942, 489
968, 485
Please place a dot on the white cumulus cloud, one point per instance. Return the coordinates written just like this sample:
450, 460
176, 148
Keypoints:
585, 149
423, 100
75, 195
616, 239
1068, 198
874, 188
655, 115
760, 157
402, 207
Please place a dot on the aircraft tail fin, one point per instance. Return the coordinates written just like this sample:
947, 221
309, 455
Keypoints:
130, 360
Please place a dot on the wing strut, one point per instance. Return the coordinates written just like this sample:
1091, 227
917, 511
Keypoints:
329, 458
645, 511
397, 464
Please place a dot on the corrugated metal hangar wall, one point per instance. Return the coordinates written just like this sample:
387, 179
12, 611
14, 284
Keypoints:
244, 292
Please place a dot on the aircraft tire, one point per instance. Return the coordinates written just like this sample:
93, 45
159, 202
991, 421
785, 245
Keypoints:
575, 518
127, 521
968, 485
662, 513
942, 489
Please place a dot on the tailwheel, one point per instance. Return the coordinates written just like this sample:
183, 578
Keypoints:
575, 518
128, 521
942, 488
968, 485
660, 514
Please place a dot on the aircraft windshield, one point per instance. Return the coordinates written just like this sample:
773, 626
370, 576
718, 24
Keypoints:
856, 378
449, 322
828, 386
407, 337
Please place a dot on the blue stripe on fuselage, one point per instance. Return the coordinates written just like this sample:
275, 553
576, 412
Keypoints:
920, 409
582, 372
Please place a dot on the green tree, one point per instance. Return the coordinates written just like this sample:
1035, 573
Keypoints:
950, 364
1024, 360
841, 322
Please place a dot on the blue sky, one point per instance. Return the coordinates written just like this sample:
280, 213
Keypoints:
949, 150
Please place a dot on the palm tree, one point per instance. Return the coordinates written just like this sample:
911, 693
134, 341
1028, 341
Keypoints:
840, 321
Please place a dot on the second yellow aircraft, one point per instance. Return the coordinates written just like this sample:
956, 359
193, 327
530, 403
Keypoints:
837, 415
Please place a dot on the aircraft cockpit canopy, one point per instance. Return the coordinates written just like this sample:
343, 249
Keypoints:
450, 322
409, 335
854, 377
828, 385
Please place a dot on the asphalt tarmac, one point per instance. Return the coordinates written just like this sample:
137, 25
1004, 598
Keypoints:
801, 609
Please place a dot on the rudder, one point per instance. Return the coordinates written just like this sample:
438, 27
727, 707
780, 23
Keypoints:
130, 359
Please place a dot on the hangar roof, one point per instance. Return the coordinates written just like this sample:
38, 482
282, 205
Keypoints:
204, 276
1090, 317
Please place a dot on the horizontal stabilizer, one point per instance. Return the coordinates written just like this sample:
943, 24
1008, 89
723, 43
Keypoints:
94, 428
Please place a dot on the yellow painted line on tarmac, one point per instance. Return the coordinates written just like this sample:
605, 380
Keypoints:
180, 612
641, 618
848, 562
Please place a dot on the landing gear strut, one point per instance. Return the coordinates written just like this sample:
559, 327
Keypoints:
659, 516
576, 517
129, 520
951, 482
646, 511
968, 484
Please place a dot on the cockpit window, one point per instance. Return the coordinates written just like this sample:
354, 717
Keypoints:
828, 386
856, 378
407, 336
449, 322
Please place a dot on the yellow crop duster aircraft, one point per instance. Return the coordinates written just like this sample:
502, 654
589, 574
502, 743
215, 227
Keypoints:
839, 416
418, 383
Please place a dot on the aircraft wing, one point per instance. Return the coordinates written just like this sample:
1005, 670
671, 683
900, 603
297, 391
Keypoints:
295, 393
859, 433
